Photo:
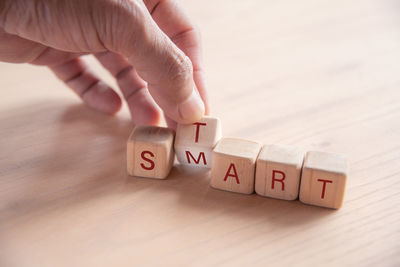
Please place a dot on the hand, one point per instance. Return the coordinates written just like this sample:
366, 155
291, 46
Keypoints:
150, 47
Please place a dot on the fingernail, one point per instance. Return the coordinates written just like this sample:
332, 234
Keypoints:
192, 109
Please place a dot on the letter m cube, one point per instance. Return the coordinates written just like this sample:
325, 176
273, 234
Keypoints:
194, 142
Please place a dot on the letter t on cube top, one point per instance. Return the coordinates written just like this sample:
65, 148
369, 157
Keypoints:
194, 142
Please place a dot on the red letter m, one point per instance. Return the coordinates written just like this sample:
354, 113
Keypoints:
201, 155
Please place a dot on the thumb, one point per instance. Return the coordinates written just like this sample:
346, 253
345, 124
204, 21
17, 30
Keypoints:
166, 69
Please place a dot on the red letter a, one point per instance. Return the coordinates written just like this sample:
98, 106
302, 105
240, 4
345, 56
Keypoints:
232, 166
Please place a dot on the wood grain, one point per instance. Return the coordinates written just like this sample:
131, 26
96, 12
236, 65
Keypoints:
318, 75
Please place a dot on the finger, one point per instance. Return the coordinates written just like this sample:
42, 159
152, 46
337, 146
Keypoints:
166, 69
173, 20
143, 109
15, 49
52, 57
96, 94
87, 85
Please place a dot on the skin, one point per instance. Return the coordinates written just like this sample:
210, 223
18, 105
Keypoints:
149, 46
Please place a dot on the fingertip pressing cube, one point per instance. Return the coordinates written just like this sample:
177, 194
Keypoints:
150, 152
278, 171
194, 142
233, 165
323, 179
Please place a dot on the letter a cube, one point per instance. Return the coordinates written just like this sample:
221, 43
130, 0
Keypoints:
278, 171
323, 179
194, 142
150, 151
233, 165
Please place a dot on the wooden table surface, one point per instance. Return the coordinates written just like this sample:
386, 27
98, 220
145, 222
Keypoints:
320, 75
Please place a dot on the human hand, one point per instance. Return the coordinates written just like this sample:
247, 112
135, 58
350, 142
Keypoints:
150, 47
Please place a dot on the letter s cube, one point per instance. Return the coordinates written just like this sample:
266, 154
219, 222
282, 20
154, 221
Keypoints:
150, 151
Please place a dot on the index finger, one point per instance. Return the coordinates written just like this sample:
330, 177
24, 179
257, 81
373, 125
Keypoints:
176, 24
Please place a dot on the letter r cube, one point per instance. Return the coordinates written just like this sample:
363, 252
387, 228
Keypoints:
150, 152
194, 142
278, 172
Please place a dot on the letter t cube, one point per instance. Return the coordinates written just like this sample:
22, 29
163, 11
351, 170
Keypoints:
323, 179
194, 142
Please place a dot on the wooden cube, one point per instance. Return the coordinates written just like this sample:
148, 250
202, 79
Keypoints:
323, 179
278, 171
233, 165
194, 142
150, 151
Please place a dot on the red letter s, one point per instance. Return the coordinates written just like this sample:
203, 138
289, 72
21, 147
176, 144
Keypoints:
147, 159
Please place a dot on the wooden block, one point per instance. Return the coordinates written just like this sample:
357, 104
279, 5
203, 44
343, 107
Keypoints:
233, 165
194, 142
150, 151
278, 171
323, 179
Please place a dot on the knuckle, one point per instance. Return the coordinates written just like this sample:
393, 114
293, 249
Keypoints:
180, 69
112, 21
